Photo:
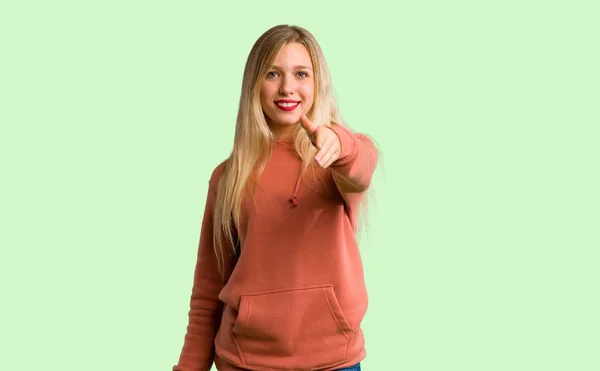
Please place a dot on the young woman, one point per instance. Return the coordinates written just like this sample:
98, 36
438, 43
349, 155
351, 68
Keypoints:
278, 282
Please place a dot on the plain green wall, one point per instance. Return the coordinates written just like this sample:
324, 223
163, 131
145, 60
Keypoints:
482, 252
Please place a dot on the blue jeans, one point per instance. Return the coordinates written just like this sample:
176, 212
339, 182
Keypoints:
356, 367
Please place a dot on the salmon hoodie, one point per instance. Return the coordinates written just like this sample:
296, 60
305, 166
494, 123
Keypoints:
294, 296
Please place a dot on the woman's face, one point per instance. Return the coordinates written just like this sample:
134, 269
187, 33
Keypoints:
288, 89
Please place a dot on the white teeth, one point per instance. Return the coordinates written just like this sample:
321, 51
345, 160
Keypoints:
281, 104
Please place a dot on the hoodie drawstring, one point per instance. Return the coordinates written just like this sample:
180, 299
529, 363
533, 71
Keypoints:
293, 198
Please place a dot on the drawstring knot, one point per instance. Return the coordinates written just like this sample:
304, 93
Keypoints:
294, 199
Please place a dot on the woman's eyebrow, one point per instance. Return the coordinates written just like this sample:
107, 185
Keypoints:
296, 67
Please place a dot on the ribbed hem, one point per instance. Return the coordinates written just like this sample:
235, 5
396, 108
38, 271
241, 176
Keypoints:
223, 365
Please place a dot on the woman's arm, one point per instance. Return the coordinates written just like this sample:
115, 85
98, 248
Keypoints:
205, 311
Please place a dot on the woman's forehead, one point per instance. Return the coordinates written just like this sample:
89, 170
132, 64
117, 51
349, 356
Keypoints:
292, 55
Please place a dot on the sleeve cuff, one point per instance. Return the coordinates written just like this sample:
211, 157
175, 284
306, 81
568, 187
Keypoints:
347, 143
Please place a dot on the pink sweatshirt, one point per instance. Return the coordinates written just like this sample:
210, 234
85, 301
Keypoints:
295, 298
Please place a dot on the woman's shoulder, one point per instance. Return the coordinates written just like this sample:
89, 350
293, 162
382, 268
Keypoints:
217, 173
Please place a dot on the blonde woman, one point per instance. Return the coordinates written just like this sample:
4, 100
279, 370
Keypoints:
278, 282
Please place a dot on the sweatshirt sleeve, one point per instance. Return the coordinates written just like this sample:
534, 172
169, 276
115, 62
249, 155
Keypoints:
354, 168
205, 311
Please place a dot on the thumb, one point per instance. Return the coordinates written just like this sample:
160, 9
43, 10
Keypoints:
307, 125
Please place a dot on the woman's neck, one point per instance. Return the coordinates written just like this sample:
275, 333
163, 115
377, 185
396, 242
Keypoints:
283, 132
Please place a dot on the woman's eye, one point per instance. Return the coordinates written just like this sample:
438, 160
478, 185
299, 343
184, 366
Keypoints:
303, 74
271, 74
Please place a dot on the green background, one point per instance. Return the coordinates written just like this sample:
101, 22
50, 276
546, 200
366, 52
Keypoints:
482, 248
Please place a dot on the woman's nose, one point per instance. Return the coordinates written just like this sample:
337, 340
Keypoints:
287, 86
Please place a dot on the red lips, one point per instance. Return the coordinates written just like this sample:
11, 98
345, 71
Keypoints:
289, 108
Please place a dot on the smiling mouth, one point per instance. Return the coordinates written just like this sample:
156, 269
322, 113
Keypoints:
287, 104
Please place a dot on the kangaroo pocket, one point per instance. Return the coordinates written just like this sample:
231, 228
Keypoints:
292, 329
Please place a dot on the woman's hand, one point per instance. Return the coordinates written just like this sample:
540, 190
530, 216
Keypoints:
325, 140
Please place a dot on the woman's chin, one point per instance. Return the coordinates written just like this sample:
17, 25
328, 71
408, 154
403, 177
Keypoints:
286, 121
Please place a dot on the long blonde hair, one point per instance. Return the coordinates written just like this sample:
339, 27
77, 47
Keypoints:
253, 140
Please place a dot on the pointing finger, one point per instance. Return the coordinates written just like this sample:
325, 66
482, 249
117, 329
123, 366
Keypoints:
307, 125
